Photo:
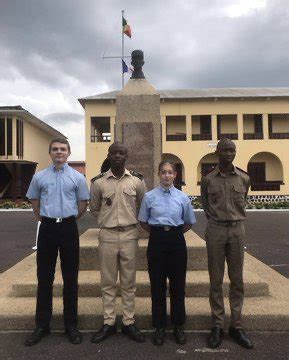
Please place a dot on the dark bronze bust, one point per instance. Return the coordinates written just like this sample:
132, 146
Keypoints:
137, 63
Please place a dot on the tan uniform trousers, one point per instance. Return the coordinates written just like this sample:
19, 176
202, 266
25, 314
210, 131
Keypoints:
226, 243
117, 254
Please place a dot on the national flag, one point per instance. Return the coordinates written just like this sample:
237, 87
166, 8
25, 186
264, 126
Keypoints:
126, 28
124, 66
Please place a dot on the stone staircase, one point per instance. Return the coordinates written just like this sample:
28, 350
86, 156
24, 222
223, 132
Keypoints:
266, 305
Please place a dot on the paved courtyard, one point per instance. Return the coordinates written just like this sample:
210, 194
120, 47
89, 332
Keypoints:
270, 346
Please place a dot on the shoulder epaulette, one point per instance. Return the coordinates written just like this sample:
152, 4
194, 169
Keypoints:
97, 177
136, 174
243, 171
209, 171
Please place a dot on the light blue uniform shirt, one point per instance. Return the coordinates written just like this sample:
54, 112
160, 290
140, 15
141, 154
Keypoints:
58, 191
166, 207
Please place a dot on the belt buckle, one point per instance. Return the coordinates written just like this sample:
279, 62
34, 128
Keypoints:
167, 228
59, 220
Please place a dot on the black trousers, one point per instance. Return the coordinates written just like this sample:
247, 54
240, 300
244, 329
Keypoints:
54, 237
167, 259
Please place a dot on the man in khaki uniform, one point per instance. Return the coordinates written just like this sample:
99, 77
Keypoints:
116, 196
224, 192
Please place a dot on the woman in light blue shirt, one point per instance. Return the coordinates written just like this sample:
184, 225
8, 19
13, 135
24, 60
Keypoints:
167, 213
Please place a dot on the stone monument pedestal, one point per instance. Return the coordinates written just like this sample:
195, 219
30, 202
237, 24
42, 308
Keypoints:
138, 123
138, 126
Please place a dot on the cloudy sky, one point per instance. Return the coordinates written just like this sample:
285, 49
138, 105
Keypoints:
51, 51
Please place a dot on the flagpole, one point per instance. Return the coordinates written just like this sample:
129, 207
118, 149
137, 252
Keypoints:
122, 47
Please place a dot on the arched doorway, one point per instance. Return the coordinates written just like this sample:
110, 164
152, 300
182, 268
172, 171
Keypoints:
206, 165
180, 179
266, 172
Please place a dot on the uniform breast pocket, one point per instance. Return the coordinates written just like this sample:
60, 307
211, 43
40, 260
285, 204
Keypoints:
238, 195
215, 194
130, 197
108, 198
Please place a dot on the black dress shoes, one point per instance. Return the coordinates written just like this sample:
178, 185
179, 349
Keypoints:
179, 335
133, 332
103, 333
159, 336
74, 335
36, 336
215, 337
241, 337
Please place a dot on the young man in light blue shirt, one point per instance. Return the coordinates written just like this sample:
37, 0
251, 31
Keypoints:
59, 196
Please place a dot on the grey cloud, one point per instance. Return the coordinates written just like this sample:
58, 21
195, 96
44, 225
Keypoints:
186, 43
63, 118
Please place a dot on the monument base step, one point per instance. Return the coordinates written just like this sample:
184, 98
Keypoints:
89, 260
258, 314
197, 285
269, 312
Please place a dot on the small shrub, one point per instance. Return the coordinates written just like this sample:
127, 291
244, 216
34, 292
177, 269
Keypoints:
15, 205
7, 205
23, 205
259, 205
196, 204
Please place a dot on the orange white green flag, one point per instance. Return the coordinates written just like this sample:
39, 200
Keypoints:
126, 28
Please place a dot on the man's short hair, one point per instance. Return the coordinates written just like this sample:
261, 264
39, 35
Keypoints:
59, 140
117, 143
224, 141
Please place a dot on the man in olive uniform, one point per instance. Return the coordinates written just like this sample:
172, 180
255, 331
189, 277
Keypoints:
224, 191
116, 196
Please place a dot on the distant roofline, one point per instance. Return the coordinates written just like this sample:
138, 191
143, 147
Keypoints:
205, 93
19, 110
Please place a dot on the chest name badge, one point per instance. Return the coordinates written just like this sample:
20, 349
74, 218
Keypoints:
108, 202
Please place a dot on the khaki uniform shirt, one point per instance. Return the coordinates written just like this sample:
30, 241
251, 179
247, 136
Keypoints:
224, 196
115, 202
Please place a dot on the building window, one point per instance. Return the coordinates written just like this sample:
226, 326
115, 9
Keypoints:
278, 126
5, 137
100, 129
19, 144
176, 128
2, 137
227, 127
9, 136
253, 126
201, 127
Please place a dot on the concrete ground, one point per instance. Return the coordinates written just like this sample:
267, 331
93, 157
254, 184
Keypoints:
266, 233
268, 345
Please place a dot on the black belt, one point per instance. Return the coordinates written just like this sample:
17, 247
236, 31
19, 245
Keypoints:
226, 223
121, 228
57, 220
166, 228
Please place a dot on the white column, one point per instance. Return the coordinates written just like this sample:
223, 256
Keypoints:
14, 137
240, 126
214, 128
112, 123
189, 127
265, 126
